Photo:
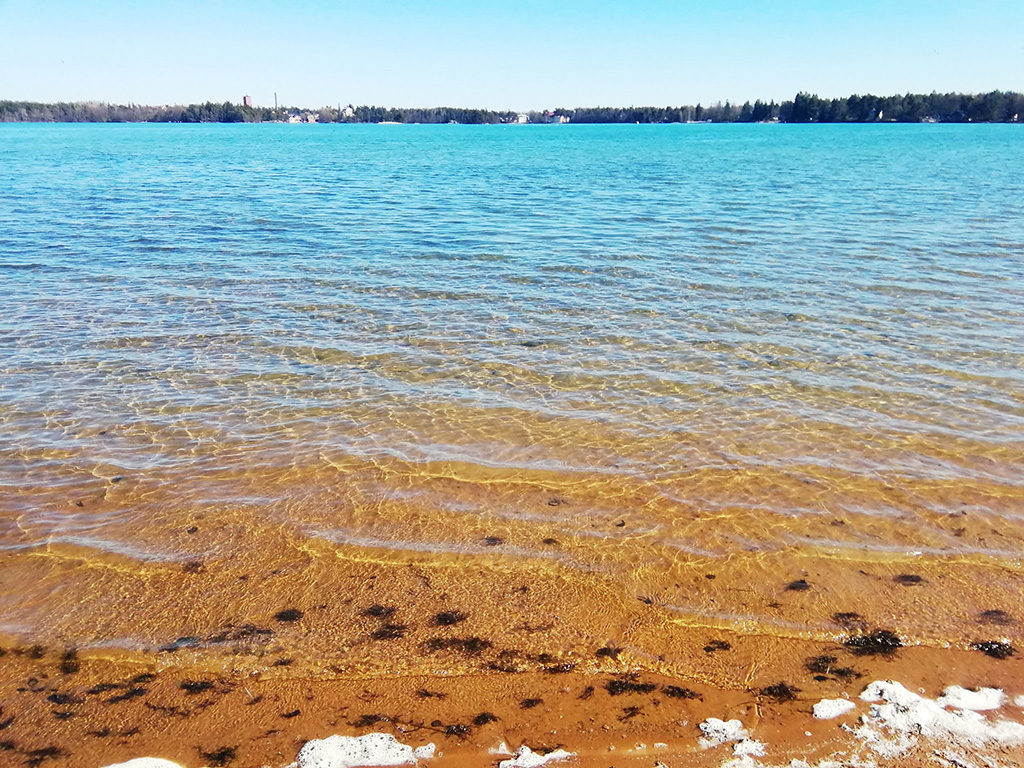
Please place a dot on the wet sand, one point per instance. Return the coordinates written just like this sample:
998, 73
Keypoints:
569, 635
90, 711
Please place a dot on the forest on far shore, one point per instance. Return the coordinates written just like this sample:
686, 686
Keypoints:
993, 107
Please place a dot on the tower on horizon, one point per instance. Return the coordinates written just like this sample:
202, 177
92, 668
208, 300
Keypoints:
247, 101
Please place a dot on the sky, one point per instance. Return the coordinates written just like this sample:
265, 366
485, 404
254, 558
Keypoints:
532, 54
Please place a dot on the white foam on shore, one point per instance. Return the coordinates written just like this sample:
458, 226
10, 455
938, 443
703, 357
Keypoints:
373, 749
898, 718
527, 758
717, 732
979, 700
720, 732
145, 762
826, 709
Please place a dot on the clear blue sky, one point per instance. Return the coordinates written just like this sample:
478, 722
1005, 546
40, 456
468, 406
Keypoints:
517, 55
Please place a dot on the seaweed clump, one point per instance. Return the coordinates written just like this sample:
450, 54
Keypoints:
619, 687
448, 618
219, 757
717, 645
780, 692
881, 642
1001, 618
678, 692
471, 646
825, 665
995, 649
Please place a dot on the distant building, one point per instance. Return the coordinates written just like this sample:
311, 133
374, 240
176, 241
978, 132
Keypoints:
522, 117
553, 118
247, 101
348, 112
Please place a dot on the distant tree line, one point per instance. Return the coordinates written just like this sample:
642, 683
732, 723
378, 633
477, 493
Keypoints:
994, 107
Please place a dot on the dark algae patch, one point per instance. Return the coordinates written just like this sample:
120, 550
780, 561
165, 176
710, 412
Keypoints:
389, 632
131, 693
800, 585
996, 650
608, 652
63, 699
36, 757
1000, 618
619, 687
219, 757
826, 665
103, 688
288, 614
716, 645
471, 646
423, 693
378, 611
881, 642
449, 618
530, 703
849, 620
780, 692
678, 692
365, 721
181, 642
193, 687
484, 718
69, 663
908, 579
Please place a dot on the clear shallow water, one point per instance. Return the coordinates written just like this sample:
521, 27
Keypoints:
781, 347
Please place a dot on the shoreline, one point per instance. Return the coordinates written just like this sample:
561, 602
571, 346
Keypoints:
103, 710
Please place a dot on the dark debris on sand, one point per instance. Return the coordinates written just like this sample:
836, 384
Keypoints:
219, 757
389, 632
619, 687
908, 579
995, 649
850, 620
194, 687
780, 692
378, 611
449, 618
36, 757
826, 665
881, 642
608, 652
471, 646
1001, 618
678, 692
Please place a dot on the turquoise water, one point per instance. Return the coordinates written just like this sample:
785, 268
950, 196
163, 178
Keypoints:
714, 317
